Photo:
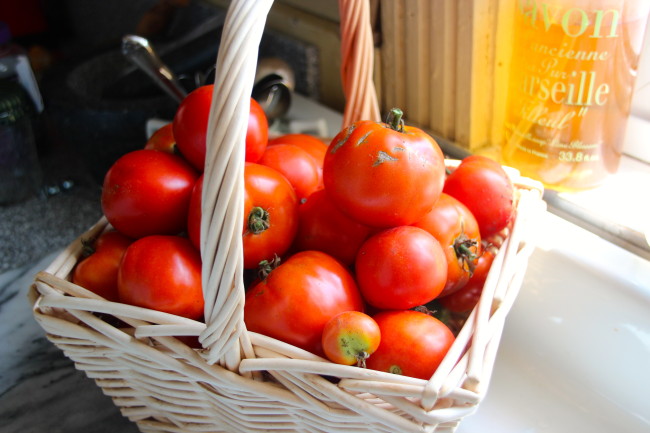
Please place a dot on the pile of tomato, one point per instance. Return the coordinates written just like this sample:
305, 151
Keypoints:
345, 244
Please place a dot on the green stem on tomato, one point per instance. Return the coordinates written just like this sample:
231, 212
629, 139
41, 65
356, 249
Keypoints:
395, 120
258, 220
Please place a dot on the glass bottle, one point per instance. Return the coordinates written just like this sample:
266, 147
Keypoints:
20, 173
571, 79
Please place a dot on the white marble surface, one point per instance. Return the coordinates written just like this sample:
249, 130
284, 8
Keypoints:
40, 390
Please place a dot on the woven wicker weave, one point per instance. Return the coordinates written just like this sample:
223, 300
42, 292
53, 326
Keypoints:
241, 381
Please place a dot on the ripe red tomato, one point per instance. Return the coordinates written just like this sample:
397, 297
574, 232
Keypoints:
465, 299
300, 168
194, 214
454, 226
310, 144
191, 126
401, 268
350, 338
162, 273
295, 301
147, 192
482, 185
257, 134
163, 140
323, 227
270, 212
97, 271
384, 175
412, 343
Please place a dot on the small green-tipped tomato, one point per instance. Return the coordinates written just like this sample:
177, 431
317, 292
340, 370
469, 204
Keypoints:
163, 140
412, 343
350, 338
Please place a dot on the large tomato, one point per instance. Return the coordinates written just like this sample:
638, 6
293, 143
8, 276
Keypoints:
295, 301
323, 227
270, 212
401, 268
147, 192
412, 343
384, 175
191, 126
466, 298
162, 273
482, 185
454, 226
300, 168
97, 271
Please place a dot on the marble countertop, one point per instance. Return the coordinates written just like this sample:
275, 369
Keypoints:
40, 389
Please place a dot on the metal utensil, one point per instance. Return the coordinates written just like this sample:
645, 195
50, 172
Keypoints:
141, 53
274, 83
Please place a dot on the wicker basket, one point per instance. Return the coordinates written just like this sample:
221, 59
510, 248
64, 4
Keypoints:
240, 381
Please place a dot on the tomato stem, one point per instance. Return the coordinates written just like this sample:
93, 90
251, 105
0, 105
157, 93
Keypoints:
395, 120
465, 251
258, 220
265, 267
361, 359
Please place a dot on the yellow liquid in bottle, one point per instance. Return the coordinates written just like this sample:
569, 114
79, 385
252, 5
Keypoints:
571, 81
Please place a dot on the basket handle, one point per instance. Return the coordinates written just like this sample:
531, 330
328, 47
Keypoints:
225, 338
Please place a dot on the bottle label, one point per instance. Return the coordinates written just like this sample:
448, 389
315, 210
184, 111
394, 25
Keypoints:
571, 81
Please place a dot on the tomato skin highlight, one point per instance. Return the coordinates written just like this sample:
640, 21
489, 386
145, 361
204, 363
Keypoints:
295, 301
382, 177
412, 343
401, 268
482, 185
162, 273
147, 192
315, 147
98, 271
350, 337
455, 227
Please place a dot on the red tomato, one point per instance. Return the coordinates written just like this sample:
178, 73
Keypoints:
323, 227
412, 343
300, 169
194, 214
401, 268
454, 226
163, 140
482, 185
162, 273
148, 192
97, 272
465, 299
295, 301
310, 144
350, 338
257, 135
270, 212
191, 126
384, 175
